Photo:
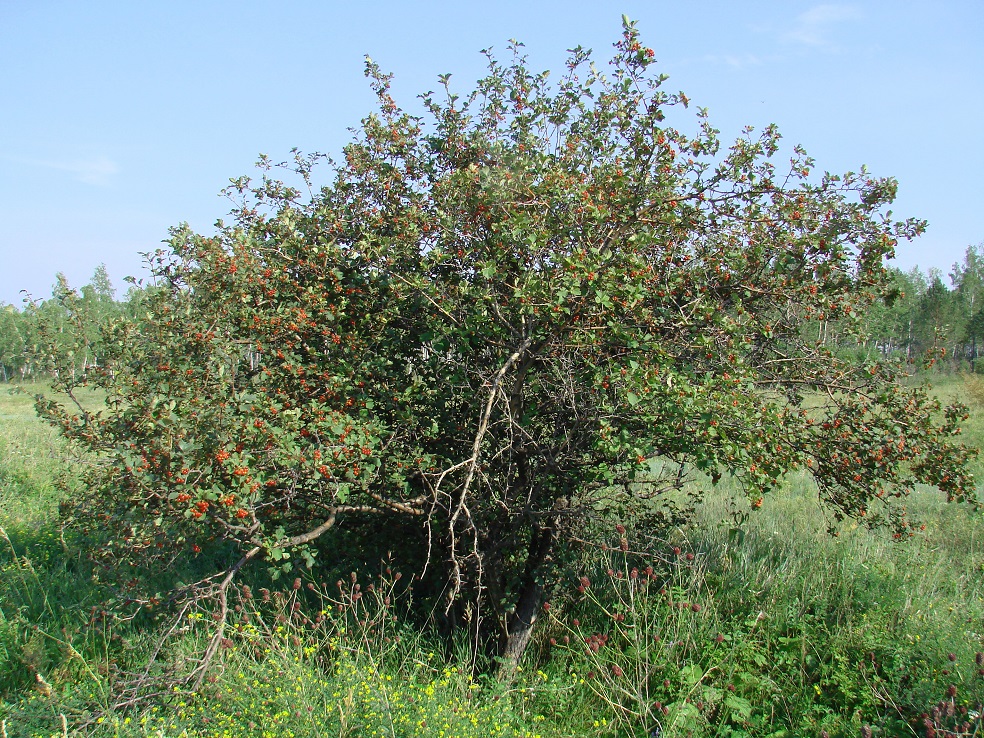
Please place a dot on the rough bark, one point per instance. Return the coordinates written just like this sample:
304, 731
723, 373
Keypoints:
520, 625
520, 629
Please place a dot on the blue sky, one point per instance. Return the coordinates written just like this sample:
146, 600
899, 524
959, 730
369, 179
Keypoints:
120, 119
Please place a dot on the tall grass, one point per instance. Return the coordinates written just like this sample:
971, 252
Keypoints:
48, 590
743, 623
859, 623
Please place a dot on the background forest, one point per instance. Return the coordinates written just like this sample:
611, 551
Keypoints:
934, 318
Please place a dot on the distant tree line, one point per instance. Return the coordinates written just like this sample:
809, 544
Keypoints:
75, 320
927, 319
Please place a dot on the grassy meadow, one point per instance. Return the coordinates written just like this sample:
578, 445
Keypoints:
744, 623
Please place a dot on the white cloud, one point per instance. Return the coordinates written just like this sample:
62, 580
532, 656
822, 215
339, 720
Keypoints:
736, 60
813, 27
740, 61
94, 170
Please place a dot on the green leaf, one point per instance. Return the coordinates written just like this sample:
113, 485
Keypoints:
739, 705
342, 492
691, 674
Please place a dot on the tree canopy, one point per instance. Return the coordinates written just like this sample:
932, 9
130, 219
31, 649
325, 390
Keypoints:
498, 316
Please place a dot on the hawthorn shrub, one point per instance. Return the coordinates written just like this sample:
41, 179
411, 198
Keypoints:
496, 318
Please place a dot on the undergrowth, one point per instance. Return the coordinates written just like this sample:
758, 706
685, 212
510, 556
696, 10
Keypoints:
747, 622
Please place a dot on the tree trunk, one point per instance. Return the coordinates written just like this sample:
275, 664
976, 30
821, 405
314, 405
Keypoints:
520, 629
520, 626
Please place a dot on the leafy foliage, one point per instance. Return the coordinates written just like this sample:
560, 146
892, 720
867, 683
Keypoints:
498, 316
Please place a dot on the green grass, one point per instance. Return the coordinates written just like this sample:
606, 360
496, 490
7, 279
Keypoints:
47, 587
770, 628
865, 622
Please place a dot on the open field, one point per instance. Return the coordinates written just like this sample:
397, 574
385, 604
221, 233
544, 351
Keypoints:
761, 623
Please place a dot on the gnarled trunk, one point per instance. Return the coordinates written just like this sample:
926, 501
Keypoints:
520, 629
520, 626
